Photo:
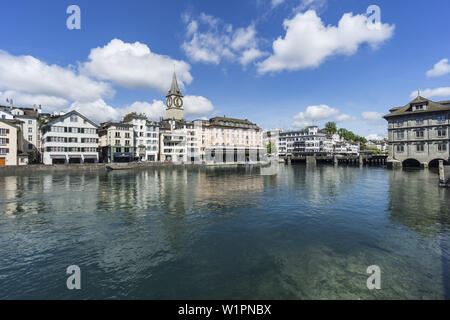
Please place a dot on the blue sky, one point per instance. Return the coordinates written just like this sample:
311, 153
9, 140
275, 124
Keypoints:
324, 65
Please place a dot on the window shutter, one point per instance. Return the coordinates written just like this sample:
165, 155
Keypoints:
7, 140
7, 131
7, 150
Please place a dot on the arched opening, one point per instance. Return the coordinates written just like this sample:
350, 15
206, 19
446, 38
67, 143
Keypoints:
435, 163
411, 163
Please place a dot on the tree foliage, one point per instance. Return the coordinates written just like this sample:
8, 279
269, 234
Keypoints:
330, 127
271, 148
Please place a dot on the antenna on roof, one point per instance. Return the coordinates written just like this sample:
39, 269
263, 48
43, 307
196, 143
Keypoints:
418, 92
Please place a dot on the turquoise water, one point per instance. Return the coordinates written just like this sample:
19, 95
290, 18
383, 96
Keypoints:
306, 233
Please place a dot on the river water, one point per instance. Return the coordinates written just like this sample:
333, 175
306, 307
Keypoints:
211, 233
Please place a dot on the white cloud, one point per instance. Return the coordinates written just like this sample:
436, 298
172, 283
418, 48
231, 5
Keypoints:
308, 42
20, 98
99, 111
374, 136
344, 118
319, 114
313, 114
30, 76
134, 65
276, 3
432, 93
197, 106
372, 116
439, 69
153, 111
311, 5
210, 40
250, 55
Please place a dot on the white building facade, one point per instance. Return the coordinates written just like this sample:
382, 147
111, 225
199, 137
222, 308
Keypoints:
70, 139
30, 132
312, 140
146, 137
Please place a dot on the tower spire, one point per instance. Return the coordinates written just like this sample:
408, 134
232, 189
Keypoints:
174, 89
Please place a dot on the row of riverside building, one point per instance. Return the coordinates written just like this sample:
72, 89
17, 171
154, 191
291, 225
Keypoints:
418, 134
312, 140
28, 136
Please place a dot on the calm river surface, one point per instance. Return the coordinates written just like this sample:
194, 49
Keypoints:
306, 233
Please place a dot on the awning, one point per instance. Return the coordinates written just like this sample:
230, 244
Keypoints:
75, 156
58, 157
90, 156
123, 155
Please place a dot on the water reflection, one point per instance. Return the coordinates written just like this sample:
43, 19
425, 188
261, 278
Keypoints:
416, 202
307, 232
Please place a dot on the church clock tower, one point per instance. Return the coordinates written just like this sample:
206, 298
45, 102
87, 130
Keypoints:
174, 101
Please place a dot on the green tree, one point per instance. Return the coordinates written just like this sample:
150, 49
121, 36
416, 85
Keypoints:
271, 148
330, 127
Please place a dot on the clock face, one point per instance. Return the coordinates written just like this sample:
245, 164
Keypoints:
178, 102
169, 101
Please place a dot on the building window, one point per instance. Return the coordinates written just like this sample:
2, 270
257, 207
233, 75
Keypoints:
30, 146
419, 134
442, 132
30, 122
420, 147
442, 147
419, 107
30, 138
73, 118
440, 119
400, 134
419, 121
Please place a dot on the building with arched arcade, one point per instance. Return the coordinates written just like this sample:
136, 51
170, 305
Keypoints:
418, 133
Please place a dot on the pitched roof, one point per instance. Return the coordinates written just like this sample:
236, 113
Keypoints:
117, 124
28, 112
73, 112
407, 109
13, 123
174, 89
231, 122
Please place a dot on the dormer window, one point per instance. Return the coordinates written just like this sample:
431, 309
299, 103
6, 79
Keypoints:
419, 107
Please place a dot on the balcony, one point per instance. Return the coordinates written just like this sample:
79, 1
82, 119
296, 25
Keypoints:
173, 139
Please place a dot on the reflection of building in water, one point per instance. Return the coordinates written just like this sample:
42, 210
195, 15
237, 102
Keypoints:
228, 186
70, 192
416, 203
48, 193
9, 195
